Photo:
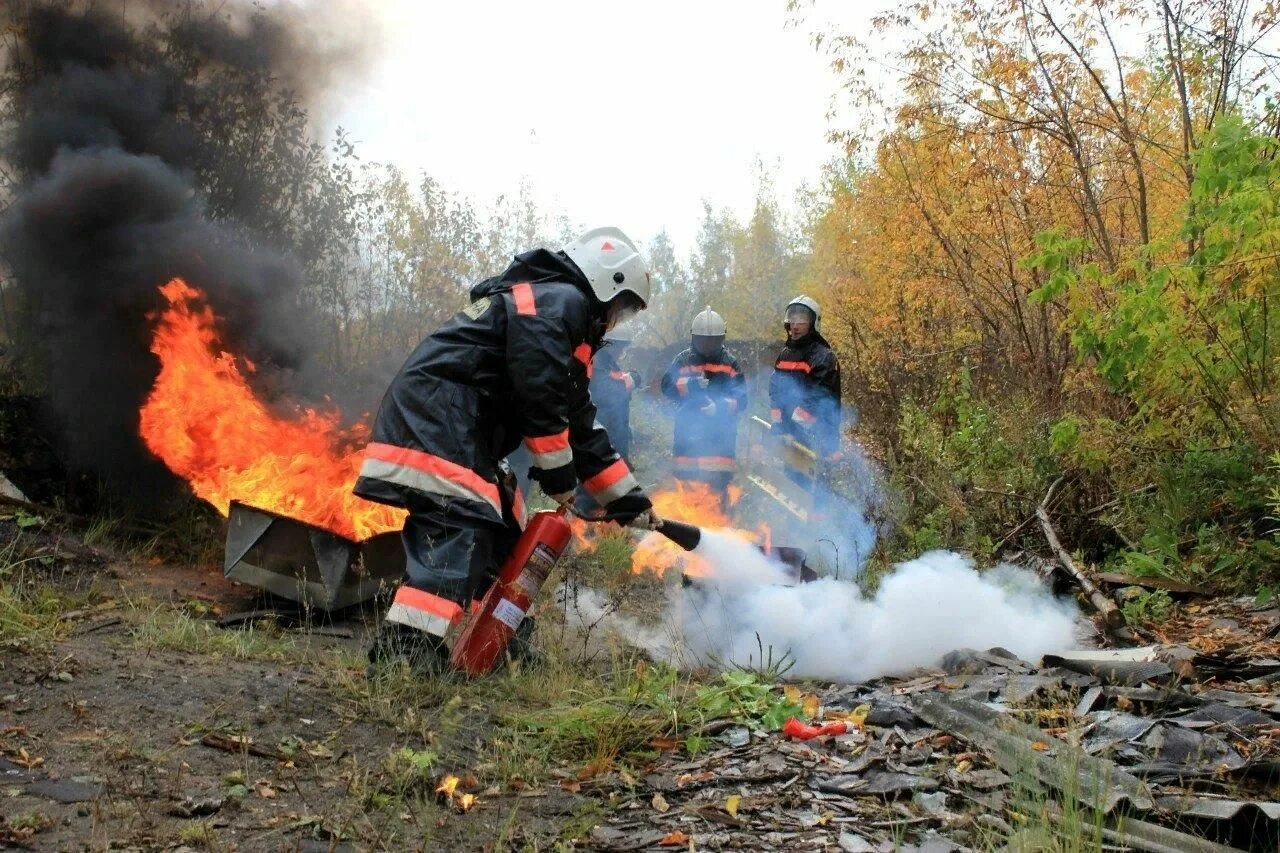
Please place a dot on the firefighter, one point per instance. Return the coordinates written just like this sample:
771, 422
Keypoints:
611, 390
804, 390
512, 367
710, 394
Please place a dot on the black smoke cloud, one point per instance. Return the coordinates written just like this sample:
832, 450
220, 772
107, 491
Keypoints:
120, 131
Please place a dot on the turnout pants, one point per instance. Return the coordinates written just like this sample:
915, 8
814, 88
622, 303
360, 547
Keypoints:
451, 560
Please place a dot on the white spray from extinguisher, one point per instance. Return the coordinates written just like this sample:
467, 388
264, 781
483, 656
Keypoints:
925, 608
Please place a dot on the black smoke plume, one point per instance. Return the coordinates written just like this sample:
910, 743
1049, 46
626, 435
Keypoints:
167, 140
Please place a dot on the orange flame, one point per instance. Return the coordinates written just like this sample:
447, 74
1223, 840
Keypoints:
448, 785
205, 423
465, 802
693, 503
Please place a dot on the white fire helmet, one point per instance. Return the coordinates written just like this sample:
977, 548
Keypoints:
806, 302
708, 324
611, 263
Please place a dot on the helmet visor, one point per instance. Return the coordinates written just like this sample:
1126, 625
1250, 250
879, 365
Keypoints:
707, 345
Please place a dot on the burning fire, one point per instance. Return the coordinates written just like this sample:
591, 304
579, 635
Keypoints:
205, 423
447, 790
695, 503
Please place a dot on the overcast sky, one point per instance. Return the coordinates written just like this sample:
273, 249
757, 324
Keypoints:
626, 114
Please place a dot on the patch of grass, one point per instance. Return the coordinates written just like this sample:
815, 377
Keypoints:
595, 723
201, 834
21, 827
167, 629
1145, 608
30, 607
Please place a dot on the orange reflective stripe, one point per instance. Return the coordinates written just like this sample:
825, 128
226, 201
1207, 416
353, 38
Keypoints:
548, 443
522, 293
623, 377
607, 477
709, 368
802, 414
440, 474
775, 414
423, 611
802, 366
583, 354
517, 508
705, 461
428, 603
682, 386
612, 483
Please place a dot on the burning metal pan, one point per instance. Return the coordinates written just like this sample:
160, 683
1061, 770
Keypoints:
307, 564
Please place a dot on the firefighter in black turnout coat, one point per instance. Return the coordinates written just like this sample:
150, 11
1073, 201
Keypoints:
804, 390
511, 367
710, 393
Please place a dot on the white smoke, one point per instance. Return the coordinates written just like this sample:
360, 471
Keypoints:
926, 608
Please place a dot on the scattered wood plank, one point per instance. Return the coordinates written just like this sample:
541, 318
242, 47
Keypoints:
242, 745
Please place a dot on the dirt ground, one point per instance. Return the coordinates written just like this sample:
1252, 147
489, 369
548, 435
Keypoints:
143, 726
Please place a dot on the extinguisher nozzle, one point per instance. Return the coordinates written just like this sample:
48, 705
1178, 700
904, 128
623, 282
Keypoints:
685, 535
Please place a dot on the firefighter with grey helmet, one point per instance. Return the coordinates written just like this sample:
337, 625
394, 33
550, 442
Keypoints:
511, 368
804, 390
709, 391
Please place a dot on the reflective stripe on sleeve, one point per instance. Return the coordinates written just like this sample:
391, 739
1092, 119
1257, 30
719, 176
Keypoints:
682, 386
426, 472
550, 451
611, 483
625, 378
801, 416
775, 415
802, 366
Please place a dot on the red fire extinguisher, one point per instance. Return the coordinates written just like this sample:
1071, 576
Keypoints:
491, 627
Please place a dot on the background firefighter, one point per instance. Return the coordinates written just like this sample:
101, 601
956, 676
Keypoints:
804, 392
511, 367
611, 390
710, 393
612, 386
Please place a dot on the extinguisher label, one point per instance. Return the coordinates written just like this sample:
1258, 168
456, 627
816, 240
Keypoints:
539, 565
508, 614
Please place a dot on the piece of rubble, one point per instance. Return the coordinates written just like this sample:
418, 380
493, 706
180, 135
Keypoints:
64, 791
1113, 667
1013, 746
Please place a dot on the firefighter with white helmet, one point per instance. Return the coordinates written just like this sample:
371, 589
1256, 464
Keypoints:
709, 391
804, 390
511, 368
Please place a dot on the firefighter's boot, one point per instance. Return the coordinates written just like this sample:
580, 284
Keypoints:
425, 654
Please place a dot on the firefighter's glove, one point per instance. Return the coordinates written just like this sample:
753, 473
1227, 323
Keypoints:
647, 521
629, 508
708, 408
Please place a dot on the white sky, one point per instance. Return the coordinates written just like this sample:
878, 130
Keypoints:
625, 114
